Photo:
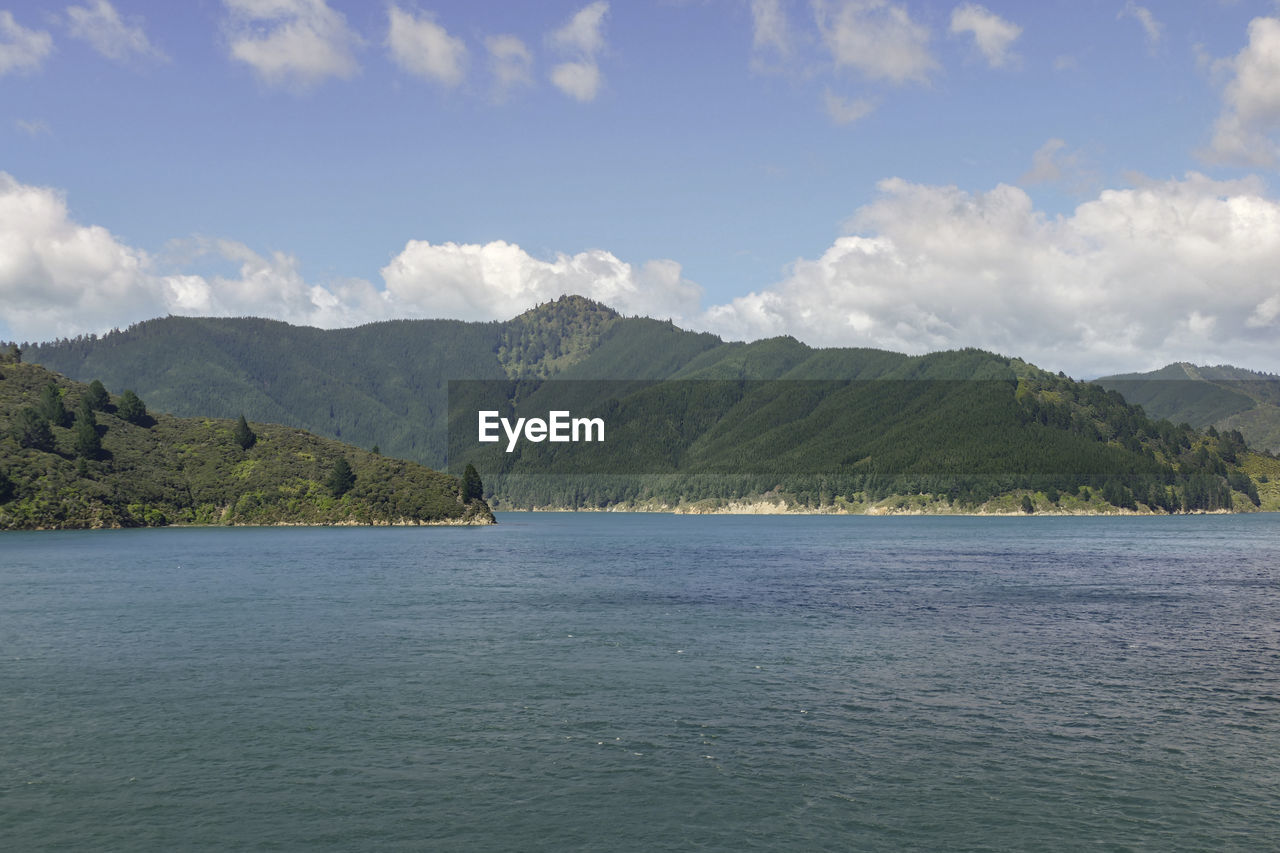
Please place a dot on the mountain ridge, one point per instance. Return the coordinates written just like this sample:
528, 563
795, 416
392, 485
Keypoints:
388, 384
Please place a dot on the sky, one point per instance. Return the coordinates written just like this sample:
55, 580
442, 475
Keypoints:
1089, 185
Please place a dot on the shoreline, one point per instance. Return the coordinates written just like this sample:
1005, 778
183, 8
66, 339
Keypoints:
874, 511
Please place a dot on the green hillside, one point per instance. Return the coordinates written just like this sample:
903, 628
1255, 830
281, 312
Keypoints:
962, 428
706, 419
68, 460
1222, 396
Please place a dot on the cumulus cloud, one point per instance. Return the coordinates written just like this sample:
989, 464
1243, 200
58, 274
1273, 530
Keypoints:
1251, 101
421, 46
21, 49
581, 39
1131, 279
60, 278
499, 280
993, 34
1153, 29
511, 61
291, 43
876, 38
1166, 271
101, 26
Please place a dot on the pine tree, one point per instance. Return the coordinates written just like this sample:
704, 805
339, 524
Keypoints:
244, 436
31, 430
341, 478
51, 408
472, 487
131, 408
97, 396
87, 441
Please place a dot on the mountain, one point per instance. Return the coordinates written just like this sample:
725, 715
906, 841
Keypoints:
113, 464
692, 417
1222, 396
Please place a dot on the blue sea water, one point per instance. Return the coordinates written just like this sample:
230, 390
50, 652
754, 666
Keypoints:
645, 682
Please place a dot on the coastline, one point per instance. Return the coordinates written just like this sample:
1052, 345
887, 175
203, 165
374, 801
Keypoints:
878, 510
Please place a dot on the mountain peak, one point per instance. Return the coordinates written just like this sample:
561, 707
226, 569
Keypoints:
568, 305
554, 335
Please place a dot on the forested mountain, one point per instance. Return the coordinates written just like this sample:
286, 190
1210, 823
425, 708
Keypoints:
1221, 396
702, 419
72, 455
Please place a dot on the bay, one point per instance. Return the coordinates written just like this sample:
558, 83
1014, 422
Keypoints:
645, 682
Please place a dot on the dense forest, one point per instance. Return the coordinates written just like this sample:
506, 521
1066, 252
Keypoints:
692, 418
1221, 396
74, 456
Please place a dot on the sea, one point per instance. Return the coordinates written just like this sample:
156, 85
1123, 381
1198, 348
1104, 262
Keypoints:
645, 682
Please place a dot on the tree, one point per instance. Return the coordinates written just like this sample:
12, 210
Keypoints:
1027, 506
472, 487
87, 441
51, 408
97, 396
13, 354
30, 429
131, 408
341, 478
7, 487
244, 436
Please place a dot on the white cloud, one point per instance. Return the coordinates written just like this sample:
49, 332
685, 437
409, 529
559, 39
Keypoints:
1046, 164
584, 33
100, 25
499, 280
21, 49
1153, 29
1135, 278
992, 33
291, 43
61, 278
421, 46
579, 80
770, 30
846, 110
511, 61
56, 275
32, 127
1251, 108
877, 38
582, 38
1055, 163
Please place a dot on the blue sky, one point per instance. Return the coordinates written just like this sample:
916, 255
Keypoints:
1084, 184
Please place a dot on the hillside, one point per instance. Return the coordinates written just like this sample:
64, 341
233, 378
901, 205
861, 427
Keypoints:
955, 430
699, 418
102, 465
1222, 396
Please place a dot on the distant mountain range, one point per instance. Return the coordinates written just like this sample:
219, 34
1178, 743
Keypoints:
842, 427
1222, 396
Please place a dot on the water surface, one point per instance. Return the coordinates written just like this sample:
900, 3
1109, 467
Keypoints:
645, 682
